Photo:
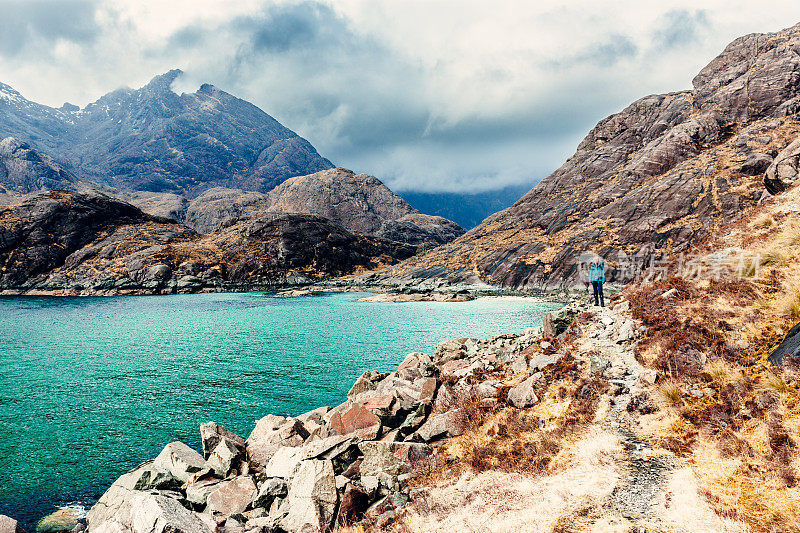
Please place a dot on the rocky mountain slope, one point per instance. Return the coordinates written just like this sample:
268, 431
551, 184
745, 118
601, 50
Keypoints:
663, 173
24, 170
360, 203
152, 139
88, 243
199, 158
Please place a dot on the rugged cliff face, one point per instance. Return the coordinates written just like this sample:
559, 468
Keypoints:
89, 243
664, 172
24, 170
152, 139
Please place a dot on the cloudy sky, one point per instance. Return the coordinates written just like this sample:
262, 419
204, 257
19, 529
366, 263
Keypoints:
428, 95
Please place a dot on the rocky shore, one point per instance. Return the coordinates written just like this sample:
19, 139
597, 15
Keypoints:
331, 466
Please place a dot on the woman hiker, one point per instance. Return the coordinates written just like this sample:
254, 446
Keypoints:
597, 275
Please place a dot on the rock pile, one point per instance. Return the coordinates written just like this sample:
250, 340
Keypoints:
328, 466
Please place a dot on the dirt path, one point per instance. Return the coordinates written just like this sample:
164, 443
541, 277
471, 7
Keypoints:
642, 500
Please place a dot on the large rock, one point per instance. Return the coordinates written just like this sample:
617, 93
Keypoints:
390, 457
523, 395
353, 505
179, 460
790, 346
119, 493
357, 419
212, 434
61, 520
556, 322
286, 459
232, 496
783, 171
312, 498
271, 433
225, 458
197, 492
449, 424
9, 525
269, 490
152, 513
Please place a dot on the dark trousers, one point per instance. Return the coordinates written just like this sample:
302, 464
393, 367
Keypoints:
598, 293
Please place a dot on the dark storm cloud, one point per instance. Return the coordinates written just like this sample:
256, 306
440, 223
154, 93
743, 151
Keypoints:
679, 28
26, 23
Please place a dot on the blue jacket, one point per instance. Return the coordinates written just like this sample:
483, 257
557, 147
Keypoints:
597, 272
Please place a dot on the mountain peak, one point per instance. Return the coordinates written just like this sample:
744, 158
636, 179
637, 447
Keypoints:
163, 82
9, 94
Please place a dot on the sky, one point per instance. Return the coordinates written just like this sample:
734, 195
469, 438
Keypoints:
436, 96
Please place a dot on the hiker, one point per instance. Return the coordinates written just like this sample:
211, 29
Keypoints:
597, 275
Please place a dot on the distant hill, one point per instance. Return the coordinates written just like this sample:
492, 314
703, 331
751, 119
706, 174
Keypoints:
466, 209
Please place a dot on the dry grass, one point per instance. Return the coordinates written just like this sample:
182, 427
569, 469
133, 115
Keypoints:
763, 221
671, 394
775, 383
722, 373
741, 487
788, 303
495, 501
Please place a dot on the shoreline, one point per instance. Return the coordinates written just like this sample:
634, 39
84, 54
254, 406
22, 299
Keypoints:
555, 295
397, 353
283, 448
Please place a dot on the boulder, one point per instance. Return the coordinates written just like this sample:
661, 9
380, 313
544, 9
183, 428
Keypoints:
9, 525
312, 498
520, 364
367, 381
151, 478
626, 331
197, 492
540, 361
755, 164
783, 173
271, 489
789, 346
117, 495
556, 322
225, 458
381, 458
523, 396
446, 399
272, 432
179, 460
286, 459
353, 505
415, 365
61, 520
357, 419
488, 388
153, 513
262, 524
232, 496
598, 365
212, 434
413, 421
449, 424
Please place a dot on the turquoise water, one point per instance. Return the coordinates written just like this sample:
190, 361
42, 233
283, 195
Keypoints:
90, 387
